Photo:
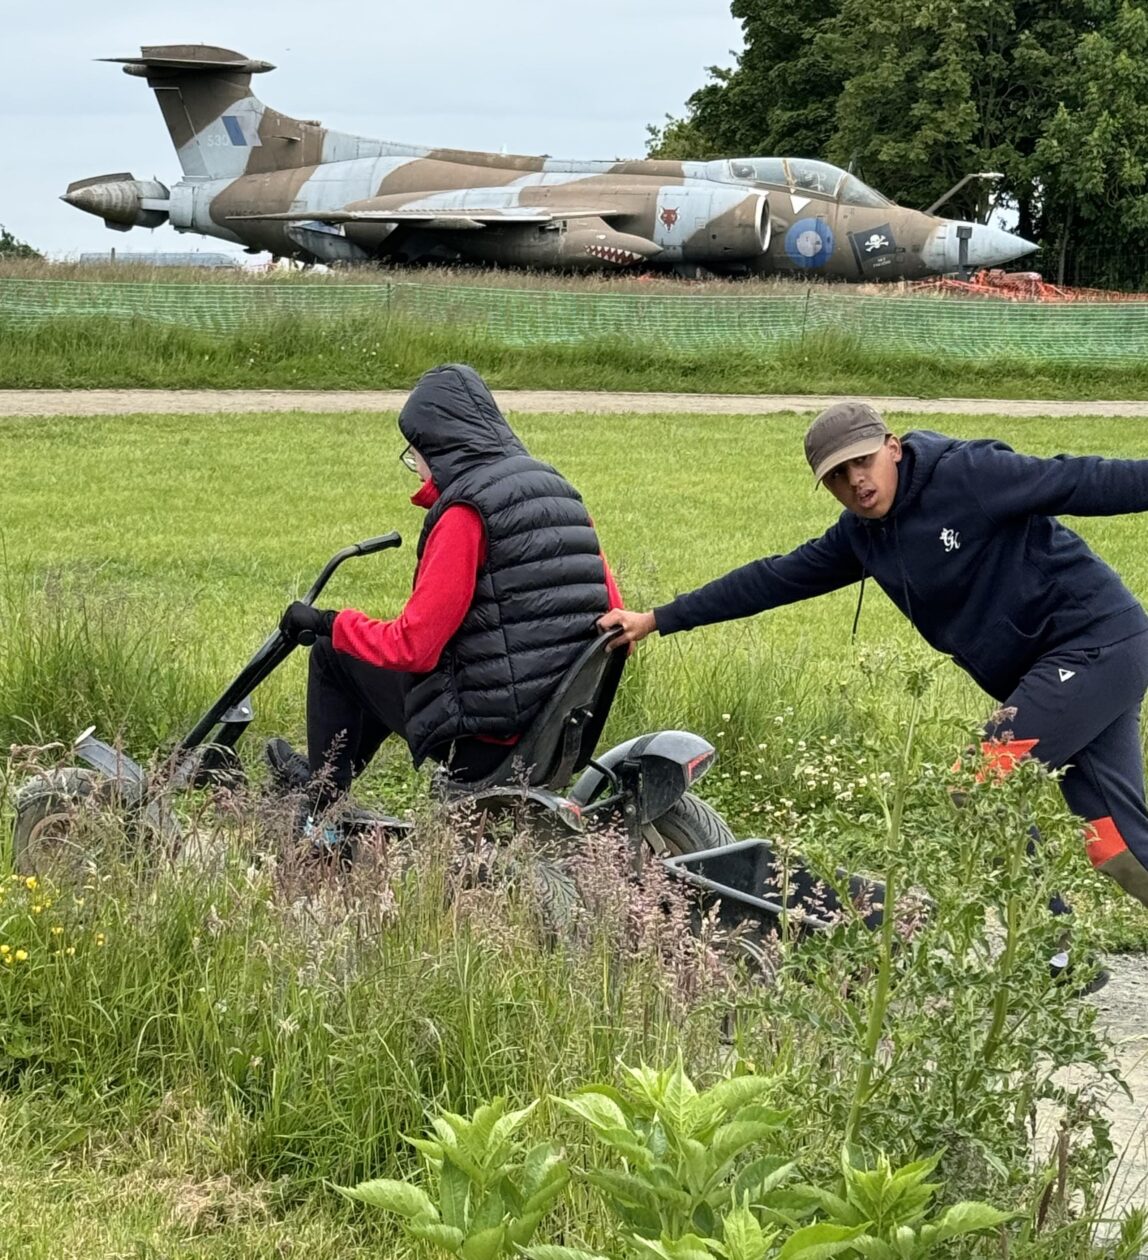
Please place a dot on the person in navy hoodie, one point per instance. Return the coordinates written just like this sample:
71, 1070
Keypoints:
963, 537
509, 583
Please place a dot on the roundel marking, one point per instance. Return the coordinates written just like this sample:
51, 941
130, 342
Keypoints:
809, 243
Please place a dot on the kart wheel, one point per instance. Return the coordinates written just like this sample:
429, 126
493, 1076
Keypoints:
688, 826
56, 830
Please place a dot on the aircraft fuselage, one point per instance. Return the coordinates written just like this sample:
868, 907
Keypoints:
270, 182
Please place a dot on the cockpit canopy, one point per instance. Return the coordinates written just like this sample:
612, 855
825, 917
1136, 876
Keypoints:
800, 175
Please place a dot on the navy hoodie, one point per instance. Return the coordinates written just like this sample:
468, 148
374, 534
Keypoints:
971, 552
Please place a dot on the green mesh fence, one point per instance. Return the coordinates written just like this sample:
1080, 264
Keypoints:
697, 319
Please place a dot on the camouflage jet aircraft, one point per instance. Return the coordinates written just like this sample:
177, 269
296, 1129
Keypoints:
270, 182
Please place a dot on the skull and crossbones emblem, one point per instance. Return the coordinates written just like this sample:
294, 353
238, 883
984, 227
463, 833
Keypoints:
876, 241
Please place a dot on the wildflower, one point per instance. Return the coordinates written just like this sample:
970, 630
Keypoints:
101, 939
57, 930
725, 717
21, 955
30, 883
37, 908
70, 950
5, 949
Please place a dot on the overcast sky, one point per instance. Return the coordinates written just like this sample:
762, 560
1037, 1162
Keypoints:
573, 80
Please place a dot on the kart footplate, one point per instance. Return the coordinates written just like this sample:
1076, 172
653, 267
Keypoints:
751, 881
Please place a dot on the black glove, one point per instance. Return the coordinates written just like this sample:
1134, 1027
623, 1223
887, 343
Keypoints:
301, 619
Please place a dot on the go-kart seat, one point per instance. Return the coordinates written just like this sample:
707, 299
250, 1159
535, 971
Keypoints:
561, 739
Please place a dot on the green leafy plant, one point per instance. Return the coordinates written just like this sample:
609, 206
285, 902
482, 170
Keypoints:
492, 1190
678, 1158
882, 1214
743, 1238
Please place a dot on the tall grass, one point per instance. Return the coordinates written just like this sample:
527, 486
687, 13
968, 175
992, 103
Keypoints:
366, 353
128, 272
240, 1016
284, 1027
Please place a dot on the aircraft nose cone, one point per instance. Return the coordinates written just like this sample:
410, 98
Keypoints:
991, 246
987, 246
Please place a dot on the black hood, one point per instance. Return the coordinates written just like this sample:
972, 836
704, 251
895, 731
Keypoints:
452, 420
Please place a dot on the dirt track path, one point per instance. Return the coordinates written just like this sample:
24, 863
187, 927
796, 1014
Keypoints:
112, 402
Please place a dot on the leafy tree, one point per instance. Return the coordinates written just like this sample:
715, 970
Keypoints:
1093, 155
780, 98
10, 247
914, 94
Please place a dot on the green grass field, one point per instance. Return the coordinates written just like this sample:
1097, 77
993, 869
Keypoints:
190, 534
362, 353
144, 557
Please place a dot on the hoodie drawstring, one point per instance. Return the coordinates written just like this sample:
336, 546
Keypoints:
861, 592
860, 601
865, 578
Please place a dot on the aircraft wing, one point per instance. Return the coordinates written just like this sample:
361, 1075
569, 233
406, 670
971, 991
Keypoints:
438, 219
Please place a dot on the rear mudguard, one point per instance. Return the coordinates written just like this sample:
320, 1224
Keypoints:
115, 765
131, 783
668, 763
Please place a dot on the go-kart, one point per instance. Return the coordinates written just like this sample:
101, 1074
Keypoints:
550, 782
643, 783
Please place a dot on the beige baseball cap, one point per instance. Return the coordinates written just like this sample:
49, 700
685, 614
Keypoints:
843, 432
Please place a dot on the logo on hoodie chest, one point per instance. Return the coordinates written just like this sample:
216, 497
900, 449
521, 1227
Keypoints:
951, 539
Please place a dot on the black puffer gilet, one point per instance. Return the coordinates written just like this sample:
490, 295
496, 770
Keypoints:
542, 586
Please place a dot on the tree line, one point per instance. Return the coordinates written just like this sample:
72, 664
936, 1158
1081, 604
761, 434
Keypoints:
913, 94
10, 247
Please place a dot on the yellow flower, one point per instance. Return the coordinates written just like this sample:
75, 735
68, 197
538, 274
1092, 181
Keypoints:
37, 908
30, 883
70, 950
5, 949
21, 955
101, 939
57, 930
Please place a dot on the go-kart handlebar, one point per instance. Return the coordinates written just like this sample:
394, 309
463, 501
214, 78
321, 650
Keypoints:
367, 547
275, 648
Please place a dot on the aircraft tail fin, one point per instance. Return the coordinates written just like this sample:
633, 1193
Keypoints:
220, 129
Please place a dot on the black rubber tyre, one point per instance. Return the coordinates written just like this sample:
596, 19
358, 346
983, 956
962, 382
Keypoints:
52, 834
688, 826
71, 820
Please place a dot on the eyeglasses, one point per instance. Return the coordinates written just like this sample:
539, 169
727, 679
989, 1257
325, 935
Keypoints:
409, 459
